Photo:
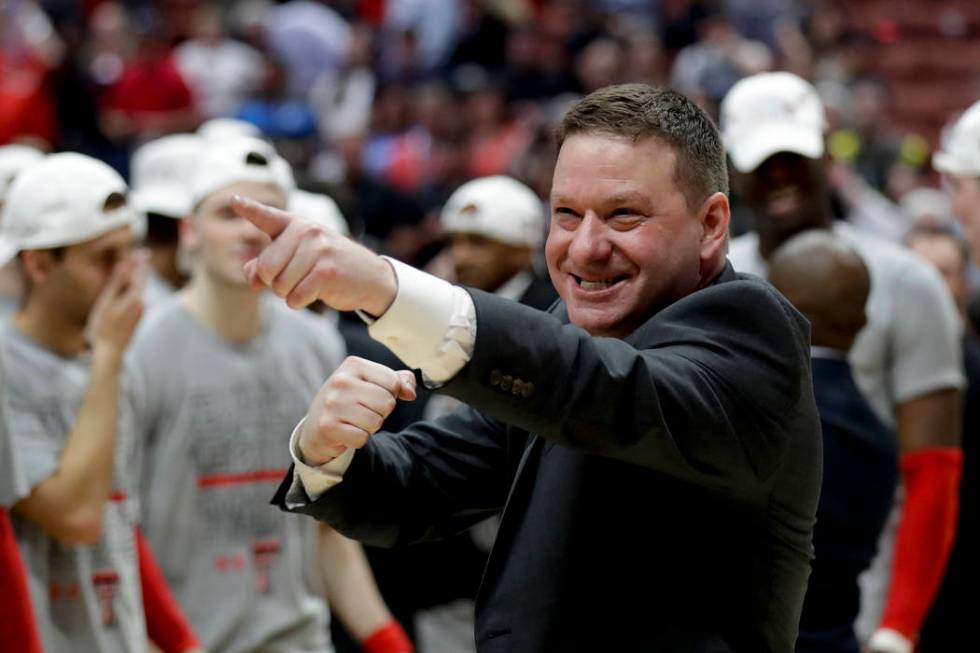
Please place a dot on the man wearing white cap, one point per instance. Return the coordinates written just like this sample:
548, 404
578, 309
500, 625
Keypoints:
70, 415
959, 161
906, 360
496, 229
13, 159
161, 173
225, 371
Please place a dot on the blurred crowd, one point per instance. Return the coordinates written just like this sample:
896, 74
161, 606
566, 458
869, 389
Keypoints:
390, 104
380, 113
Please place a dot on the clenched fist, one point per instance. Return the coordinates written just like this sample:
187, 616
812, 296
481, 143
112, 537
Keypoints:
351, 407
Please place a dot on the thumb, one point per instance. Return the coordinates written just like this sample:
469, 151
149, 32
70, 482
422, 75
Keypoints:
406, 387
269, 220
252, 274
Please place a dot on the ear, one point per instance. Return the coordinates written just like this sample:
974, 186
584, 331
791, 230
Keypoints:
715, 215
187, 232
37, 264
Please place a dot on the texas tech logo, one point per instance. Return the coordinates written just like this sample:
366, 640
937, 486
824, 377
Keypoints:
106, 583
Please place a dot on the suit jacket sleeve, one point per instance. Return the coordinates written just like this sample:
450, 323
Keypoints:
432, 480
699, 392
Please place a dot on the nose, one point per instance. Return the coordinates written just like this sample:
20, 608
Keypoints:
777, 170
250, 233
590, 242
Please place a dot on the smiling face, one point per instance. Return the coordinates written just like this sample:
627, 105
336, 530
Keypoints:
623, 242
787, 193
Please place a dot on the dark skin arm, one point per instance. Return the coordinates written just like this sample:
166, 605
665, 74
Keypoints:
932, 420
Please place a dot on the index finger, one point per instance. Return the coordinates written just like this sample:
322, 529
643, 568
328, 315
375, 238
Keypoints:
380, 375
270, 220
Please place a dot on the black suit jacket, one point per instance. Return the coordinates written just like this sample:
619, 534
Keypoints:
660, 490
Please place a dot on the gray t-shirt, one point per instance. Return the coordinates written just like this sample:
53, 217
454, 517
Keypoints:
215, 419
85, 597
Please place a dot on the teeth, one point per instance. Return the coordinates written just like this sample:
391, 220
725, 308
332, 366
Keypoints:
594, 285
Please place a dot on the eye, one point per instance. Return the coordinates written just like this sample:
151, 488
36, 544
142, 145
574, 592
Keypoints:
625, 218
566, 217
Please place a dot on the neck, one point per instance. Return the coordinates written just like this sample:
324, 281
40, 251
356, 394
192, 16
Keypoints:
233, 312
164, 261
52, 329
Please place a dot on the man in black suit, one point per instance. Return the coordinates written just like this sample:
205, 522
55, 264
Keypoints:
654, 438
826, 279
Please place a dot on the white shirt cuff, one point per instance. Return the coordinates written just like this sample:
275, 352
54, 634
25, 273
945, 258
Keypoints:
314, 480
431, 325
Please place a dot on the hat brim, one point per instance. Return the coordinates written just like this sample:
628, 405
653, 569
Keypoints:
173, 202
8, 251
751, 148
948, 164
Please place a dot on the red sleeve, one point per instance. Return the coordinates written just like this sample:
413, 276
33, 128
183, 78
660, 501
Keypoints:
165, 622
925, 535
18, 630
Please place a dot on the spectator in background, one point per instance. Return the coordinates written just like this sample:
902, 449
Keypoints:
600, 63
497, 135
220, 71
70, 415
309, 38
484, 34
952, 619
421, 34
928, 206
161, 173
150, 98
29, 50
826, 280
13, 159
878, 148
242, 575
959, 162
645, 62
706, 69
496, 229
342, 99
908, 364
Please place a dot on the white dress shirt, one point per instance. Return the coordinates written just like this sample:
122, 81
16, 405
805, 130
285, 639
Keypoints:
431, 326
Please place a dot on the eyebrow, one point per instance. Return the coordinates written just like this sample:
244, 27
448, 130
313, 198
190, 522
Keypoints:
629, 197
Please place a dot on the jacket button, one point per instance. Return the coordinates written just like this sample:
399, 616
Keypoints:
505, 382
495, 377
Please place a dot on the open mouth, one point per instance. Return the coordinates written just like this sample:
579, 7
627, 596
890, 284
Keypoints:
595, 285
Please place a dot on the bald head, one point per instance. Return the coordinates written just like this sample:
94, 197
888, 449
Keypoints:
826, 280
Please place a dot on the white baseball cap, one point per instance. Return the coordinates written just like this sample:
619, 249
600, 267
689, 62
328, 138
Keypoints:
224, 163
13, 159
498, 207
960, 154
223, 129
318, 207
161, 174
769, 113
60, 201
